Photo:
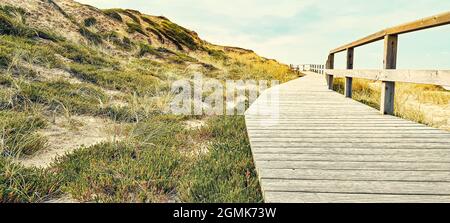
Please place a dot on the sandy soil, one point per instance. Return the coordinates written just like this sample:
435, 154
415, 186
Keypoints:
64, 136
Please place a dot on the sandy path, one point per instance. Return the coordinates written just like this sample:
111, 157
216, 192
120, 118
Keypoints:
65, 136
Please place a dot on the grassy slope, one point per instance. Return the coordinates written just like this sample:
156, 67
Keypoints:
160, 160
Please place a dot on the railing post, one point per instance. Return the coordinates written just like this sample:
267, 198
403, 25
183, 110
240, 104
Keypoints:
349, 80
388, 87
330, 65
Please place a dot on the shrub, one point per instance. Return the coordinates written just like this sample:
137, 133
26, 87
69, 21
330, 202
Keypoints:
217, 54
91, 36
147, 49
10, 27
90, 21
116, 39
179, 35
5, 56
134, 27
130, 14
13, 11
113, 14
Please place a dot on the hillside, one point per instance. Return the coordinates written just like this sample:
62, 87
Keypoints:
83, 101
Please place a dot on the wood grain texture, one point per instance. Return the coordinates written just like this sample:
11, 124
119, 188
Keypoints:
322, 147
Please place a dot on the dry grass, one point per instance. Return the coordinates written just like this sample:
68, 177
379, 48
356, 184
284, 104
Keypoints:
101, 77
425, 104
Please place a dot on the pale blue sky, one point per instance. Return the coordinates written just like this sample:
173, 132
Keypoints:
303, 31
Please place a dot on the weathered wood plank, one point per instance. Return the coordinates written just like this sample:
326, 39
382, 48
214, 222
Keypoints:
355, 175
321, 144
344, 165
386, 145
369, 187
437, 158
300, 197
351, 151
379, 135
440, 140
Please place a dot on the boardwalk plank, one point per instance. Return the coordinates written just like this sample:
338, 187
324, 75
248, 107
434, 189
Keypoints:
367, 187
299, 197
356, 175
323, 147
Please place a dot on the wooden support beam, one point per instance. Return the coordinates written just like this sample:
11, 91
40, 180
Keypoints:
388, 87
349, 80
330, 65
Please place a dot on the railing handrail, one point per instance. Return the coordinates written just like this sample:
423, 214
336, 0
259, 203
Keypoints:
425, 23
316, 68
388, 75
434, 77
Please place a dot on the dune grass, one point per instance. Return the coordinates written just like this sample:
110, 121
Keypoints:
19, 184
18, 135
409, 100
160, 159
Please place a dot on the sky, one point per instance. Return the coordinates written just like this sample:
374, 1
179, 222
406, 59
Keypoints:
304, 31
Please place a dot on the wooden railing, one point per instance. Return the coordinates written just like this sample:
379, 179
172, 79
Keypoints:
389, 75
316, 68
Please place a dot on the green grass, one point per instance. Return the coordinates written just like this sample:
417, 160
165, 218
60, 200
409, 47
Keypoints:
127, 81
59, 96
178, 34
18, 134
91, 36
113, 14
153, 165
147, 49
122, 42
12, 23
159, 159
226, 173
135, 27
20, 185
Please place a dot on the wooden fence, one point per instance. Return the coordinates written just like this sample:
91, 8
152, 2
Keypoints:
389, 75
316, 68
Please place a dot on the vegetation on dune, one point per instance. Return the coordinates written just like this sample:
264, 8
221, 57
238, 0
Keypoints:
19, 136
113, 14
12, 23
159, 160
90, 21
230, 174
93, 37
135, 27
19, 184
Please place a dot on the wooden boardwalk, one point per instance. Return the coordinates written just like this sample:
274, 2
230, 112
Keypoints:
323, 147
